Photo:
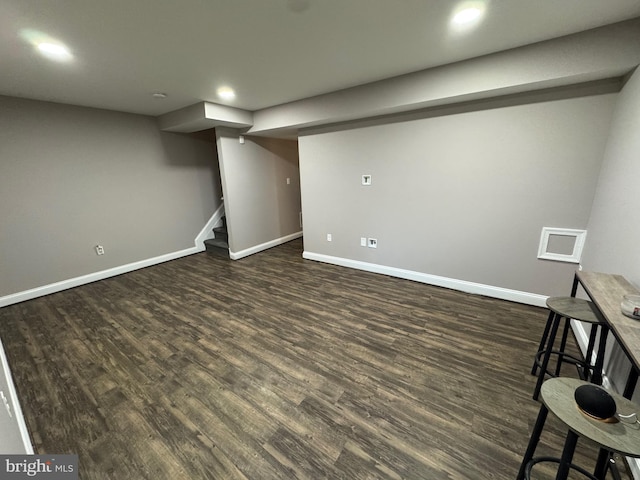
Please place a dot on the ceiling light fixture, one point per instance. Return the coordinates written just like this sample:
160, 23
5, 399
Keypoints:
226, 93
467, 15
54, 51
47, 46
159, 95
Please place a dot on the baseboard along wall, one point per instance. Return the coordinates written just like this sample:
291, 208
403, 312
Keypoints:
452, 283
92, 277
263, 246
32, 293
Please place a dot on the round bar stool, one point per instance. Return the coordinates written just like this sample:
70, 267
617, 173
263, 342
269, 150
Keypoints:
611, 436
570, 308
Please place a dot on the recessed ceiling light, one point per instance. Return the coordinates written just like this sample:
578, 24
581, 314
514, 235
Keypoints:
226, 93
159, 95
467, 14
54, 51
45, 45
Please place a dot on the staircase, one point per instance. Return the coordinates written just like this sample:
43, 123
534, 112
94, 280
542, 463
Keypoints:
219, 245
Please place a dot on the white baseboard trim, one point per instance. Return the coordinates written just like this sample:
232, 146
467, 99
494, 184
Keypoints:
452, 283
634, 466
207, 231
263, 246
581, 336
15, 403
93, 277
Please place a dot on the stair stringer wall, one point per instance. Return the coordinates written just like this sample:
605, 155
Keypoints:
207, 231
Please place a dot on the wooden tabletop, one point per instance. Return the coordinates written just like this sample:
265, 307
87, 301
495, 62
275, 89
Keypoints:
606, 291
558, 396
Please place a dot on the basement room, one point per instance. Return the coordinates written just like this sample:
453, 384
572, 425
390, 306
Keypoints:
319, 239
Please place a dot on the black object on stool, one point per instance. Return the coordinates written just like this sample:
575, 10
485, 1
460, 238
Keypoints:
559, 397
595, 402
570, 308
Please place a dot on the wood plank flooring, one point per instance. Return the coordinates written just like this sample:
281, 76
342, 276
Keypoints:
275, 367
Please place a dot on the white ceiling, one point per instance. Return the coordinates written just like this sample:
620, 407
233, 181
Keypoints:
269, 51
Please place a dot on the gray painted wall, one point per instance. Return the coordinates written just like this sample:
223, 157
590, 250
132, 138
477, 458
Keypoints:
462, 195
614, 227
260, 206
73, 177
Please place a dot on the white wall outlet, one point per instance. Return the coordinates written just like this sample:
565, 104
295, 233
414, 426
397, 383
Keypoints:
329, 237
366, 179
363, 241
372, 243
99, 249
288, 181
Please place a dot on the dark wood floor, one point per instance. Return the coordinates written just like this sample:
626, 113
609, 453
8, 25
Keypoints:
275, 367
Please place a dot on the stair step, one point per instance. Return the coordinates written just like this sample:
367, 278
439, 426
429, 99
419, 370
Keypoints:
221, 232
217, 245
217, 242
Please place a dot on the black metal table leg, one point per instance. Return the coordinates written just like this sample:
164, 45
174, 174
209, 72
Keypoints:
567, 455
601, 464
613, 468
543, 341
547, 355
563, 345
597, 369
533, 440
632, 380
574, 286
588, 373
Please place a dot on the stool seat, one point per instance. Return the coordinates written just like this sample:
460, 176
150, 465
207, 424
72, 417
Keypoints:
619, 437
558, 397
576, 308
